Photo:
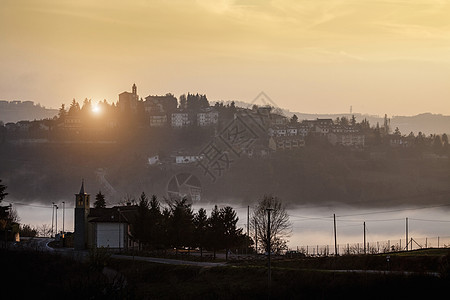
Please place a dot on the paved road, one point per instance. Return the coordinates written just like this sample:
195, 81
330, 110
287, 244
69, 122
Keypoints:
169, 261
432, 274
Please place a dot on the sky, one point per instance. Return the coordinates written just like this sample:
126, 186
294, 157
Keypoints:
309, 56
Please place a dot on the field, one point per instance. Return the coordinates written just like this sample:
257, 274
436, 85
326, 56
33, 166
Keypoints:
417, 274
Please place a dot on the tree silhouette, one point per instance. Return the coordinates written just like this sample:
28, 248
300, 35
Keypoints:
99, 200
183, 102
62, 112
230, 236
445, 143
2, 191
353, 121
154, 223
139, 229
294, 120
215, 228
437, 144
280, 226
74, 108
200, 229
180, 224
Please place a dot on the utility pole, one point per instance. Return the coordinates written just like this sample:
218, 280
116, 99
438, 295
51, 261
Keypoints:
406, 234
268, 243
335, 235
53, 215
256, 238
118, 210
365, 238
248, 228
64, 209
56, 219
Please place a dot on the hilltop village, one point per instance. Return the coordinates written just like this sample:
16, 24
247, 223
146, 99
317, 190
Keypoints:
104, 122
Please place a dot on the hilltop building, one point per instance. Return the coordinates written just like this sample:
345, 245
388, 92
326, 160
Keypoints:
129, 101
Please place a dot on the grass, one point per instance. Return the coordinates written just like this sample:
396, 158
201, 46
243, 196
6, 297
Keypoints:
423, 252
251, 282
49, 276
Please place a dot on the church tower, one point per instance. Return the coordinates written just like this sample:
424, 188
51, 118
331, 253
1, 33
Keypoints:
81, 212
134, 89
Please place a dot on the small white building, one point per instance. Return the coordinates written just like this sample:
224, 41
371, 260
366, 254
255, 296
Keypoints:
158, 120
187, 159
207, 117
180, 119
154, 160
356, 140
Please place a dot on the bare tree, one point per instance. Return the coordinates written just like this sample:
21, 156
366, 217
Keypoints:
2, 191
280, 225
14, 215
44, 230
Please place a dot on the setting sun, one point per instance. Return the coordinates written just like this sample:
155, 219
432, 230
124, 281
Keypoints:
96, 109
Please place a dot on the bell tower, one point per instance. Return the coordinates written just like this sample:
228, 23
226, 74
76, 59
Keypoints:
82, 206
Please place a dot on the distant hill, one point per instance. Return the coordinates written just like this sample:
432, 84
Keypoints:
14, 111
426, 123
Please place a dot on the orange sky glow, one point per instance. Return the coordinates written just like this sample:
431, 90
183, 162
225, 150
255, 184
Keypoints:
311, 56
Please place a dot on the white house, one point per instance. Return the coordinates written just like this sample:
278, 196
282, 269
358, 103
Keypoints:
207, 117
154, 160
347, 139
187, 159
180, 119
158, 120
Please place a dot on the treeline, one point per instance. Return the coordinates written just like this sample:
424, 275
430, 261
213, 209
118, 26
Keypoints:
176, 225
87, 120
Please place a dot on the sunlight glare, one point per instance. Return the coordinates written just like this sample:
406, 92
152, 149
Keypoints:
96, 109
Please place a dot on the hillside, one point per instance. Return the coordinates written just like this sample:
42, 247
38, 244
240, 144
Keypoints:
15, 111
317, 174
427, 123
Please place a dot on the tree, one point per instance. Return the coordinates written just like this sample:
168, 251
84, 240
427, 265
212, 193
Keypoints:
183, 102
44, 230
344, 121
139, 229
99, 200
62, 112
200, 229
294, 119
353, 121
437, 144
154, 223
215, 228
74, 108
27, 230
280, 226
445, 142
180, 223
377, 135
2, 191
87, 106
230, 236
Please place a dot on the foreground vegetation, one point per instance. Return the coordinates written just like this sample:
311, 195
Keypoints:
52, 276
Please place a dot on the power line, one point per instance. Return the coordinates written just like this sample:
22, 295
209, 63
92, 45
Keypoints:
310, 218
424, 220
393, 210
378, 220
31, 205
